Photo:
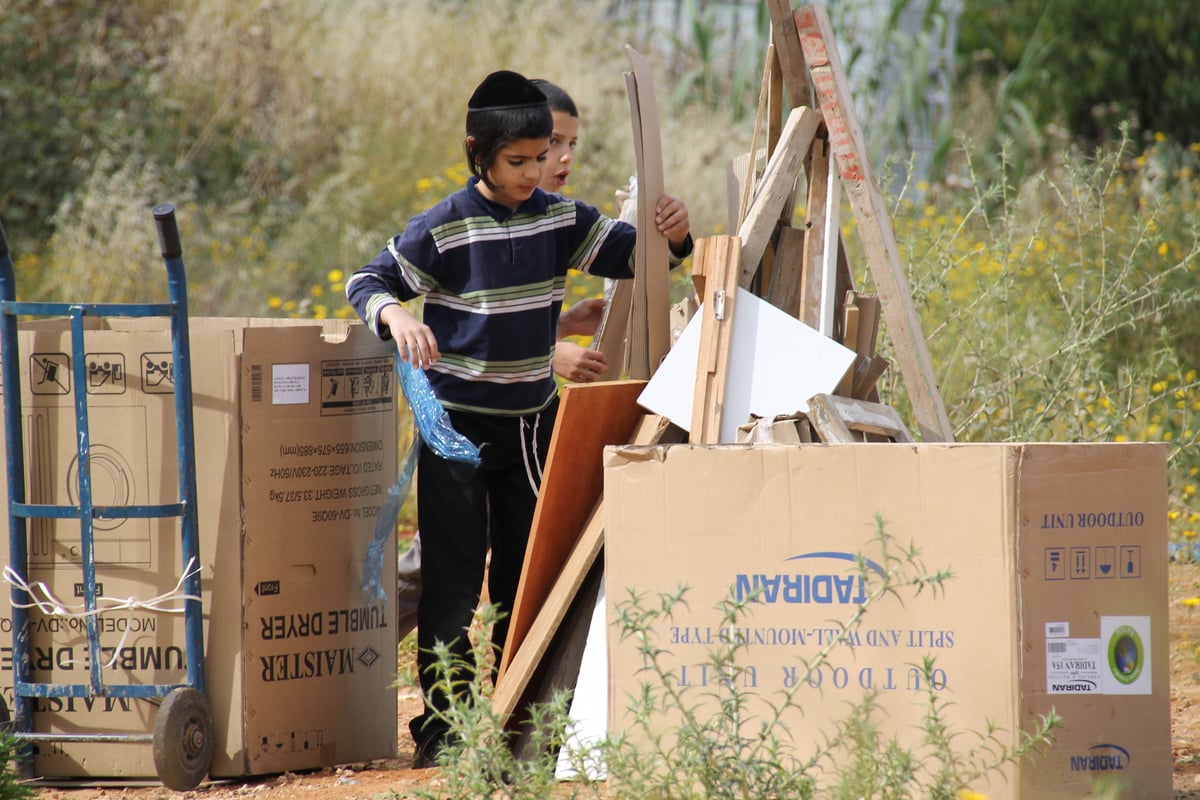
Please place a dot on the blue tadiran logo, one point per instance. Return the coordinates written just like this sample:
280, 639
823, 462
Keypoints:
843, 587
1101, 758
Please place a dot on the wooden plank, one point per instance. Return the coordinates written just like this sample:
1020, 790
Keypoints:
788, 275
513, 684
774, 100
737, 175
878, 240
837, 419
816, 211
866, 374
560, 663
849, 333
652, 254
590, 416
867, 336
718, 256
791, 56
749, 185
514, 681
779, 180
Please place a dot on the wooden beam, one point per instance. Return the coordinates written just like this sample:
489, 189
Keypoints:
790, 54
779, 180
878, 240
718, 256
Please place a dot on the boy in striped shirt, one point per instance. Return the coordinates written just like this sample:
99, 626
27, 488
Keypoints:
491, 261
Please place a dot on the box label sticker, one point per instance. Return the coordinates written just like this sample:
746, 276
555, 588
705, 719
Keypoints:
1073, 666
356, 385
1126, 643
289, 384
1057, 629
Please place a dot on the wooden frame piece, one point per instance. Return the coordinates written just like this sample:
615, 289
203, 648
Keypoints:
717, 273
837, 419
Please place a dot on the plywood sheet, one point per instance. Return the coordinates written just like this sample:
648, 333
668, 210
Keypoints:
590, 416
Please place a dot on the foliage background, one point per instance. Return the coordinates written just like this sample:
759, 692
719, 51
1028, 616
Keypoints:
1051, 240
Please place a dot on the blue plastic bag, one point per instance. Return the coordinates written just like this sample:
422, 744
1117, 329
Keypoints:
433, 427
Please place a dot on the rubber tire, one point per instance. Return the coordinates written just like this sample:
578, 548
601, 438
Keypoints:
183, 739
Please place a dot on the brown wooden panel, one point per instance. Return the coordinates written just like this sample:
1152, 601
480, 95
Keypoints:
590, 416
514, 686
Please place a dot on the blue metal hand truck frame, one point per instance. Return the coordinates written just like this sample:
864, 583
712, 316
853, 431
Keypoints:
183, 731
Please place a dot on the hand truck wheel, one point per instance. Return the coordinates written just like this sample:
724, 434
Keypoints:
183, 739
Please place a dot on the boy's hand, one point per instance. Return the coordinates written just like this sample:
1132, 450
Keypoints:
414, 339
578, 364
581, 319
671, 218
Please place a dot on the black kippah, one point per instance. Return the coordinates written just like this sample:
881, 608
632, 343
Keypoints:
505, 89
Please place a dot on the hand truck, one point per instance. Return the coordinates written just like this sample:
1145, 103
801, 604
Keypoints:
183, 730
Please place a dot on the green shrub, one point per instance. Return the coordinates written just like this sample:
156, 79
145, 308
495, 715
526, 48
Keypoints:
717, 742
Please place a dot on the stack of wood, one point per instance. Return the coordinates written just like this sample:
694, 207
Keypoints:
816, 148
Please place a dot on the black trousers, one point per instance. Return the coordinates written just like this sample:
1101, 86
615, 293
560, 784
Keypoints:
463, 510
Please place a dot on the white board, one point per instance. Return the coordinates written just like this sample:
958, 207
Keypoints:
589, 705
776, 363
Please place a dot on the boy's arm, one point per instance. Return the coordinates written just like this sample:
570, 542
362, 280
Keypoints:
581, 319
414, 339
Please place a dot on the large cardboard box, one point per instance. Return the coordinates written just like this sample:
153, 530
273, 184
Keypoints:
1058, 599
295, 451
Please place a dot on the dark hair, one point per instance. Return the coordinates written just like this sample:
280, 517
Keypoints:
489, 130
557, 97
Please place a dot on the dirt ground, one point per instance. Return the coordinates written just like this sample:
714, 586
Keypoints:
393, 778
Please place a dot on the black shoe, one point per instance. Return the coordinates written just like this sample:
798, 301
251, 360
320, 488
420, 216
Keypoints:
427, 753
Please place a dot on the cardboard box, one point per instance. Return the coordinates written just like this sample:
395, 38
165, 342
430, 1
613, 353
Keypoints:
1058, 600
295, 450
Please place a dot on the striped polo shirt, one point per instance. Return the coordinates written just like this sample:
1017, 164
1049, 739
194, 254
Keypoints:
493, 280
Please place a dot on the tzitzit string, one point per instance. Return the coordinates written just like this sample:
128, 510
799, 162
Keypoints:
44, 601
